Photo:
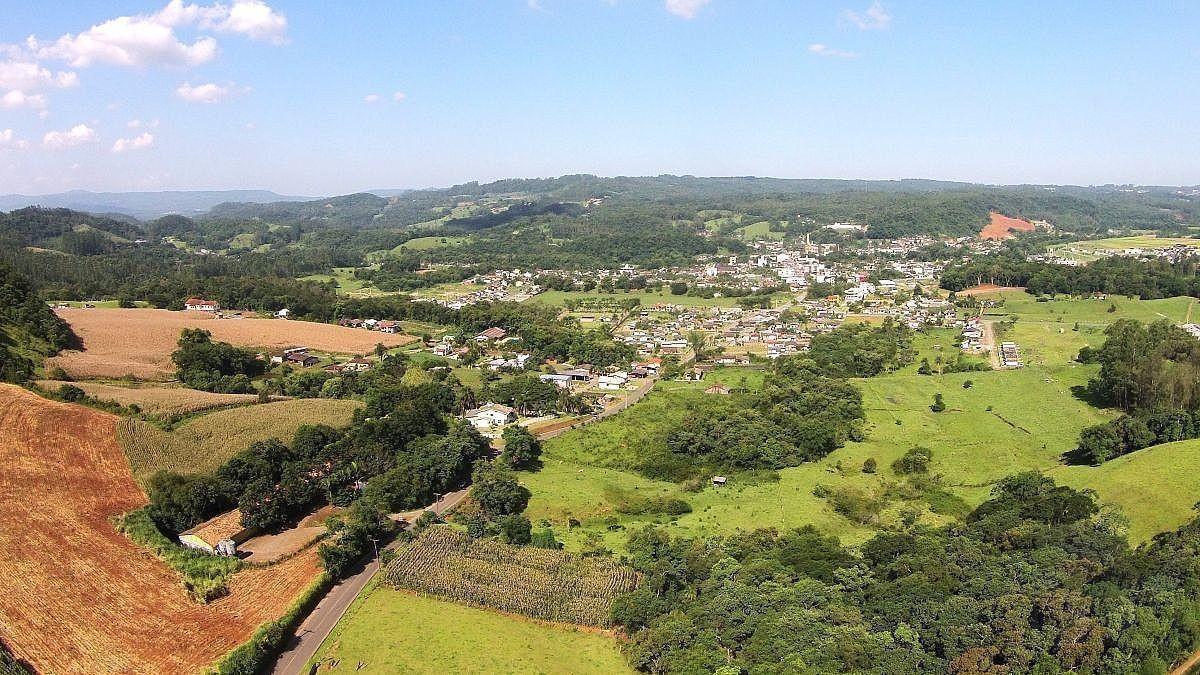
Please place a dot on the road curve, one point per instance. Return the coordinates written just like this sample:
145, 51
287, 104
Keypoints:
320, 622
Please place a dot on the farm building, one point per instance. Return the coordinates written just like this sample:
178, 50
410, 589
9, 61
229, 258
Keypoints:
219, 534
493, 333
202, 305
490, 415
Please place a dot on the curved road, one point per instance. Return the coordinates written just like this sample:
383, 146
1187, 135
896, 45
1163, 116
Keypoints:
320, 622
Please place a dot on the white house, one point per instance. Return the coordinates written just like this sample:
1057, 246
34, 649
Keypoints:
491, 415
202, 305
611, 382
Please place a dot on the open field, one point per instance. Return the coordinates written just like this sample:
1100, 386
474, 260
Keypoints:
155, 400
427, 243
117, 342
427, 635
78, 597
535, 582
1157, 487
1085, 250
202, 444
1001, 226
759, 231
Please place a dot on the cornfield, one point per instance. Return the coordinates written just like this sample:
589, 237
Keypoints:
538, 583
155, 400
202, 444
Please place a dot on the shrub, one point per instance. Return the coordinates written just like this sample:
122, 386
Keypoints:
916, 460
869, 466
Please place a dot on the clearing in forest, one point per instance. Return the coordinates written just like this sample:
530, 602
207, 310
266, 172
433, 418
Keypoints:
1001, 226
76, 596
139, 342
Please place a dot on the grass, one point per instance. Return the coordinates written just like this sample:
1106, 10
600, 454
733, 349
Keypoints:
1156, 486
1082, 249
347, 283
203, 443
759, 231
426, 635
427, 243
1006, 422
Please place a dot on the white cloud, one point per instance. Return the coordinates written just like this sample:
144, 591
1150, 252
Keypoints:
875, 17
371, 98
9, 141
827, 51
685, 8
19, 99
399, 96
143, 140
535, 5
254, 19
209, 92
127, 41
76, 135
150, 39
28, 76
138, 124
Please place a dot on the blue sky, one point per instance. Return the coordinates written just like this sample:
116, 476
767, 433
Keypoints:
133, 95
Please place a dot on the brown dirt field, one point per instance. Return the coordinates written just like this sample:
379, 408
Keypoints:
156, 400
1001, 226
117, 342
988, 289
78, 597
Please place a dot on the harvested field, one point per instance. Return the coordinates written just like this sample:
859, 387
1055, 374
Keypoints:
202, 444
536, 582
1001, 226
155, 400
139, 342
78, 597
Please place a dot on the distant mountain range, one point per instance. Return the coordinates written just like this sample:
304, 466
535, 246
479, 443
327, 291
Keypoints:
143, 205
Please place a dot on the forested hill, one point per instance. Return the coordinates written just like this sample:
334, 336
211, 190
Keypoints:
28, 328
889, 208
141, 205
64, 230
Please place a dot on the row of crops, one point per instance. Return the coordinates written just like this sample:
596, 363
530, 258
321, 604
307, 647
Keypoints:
538, 583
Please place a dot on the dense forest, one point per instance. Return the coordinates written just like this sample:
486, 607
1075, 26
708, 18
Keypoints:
1144, 279
27, 327
1038, 579
1151, 373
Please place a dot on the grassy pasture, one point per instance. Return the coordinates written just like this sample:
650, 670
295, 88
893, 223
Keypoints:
1156, 486
203, 443
427, 243
427, 635
759, 231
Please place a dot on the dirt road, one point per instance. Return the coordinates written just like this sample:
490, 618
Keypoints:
634, 396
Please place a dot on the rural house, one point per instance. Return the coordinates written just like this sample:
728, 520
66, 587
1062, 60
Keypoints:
202, 305
491, 415
219, 534
493, 333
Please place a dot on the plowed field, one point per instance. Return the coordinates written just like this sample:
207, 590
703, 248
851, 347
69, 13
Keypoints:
139, 342
76, 596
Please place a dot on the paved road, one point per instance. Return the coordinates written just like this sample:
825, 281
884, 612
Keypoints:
320, 622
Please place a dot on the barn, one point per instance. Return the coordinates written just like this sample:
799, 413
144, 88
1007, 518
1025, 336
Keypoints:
219, 534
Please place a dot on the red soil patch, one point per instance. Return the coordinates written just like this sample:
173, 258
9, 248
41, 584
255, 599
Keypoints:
117, 342
1001, 226
78, 597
